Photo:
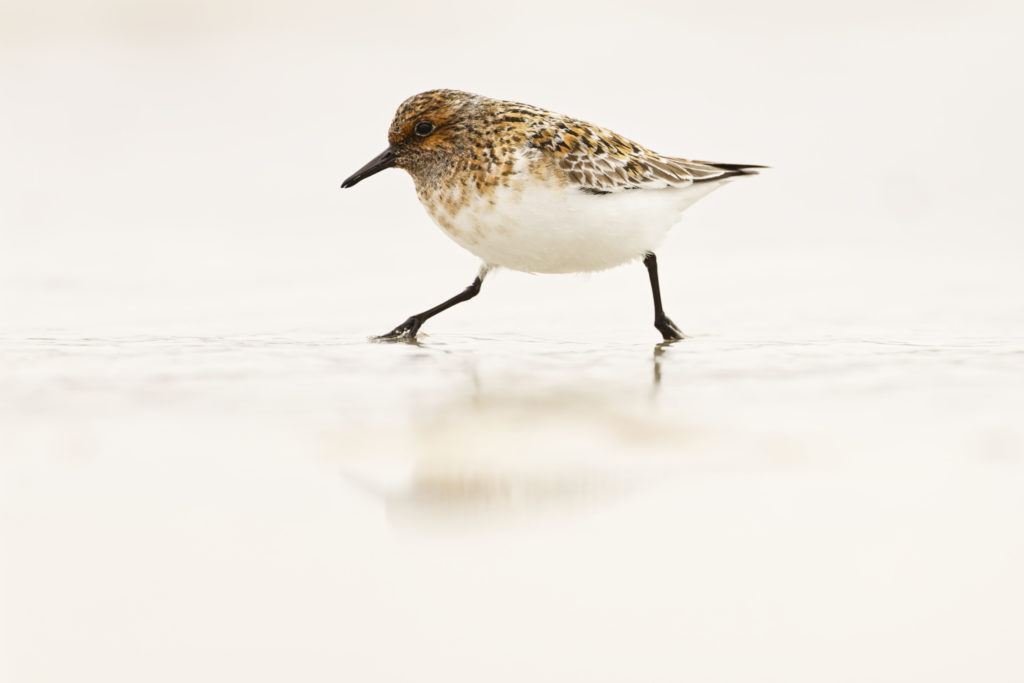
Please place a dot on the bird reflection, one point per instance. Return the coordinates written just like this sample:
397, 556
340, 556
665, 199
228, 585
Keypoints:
510, 446
660, 349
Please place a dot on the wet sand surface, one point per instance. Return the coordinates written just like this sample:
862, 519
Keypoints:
271, 506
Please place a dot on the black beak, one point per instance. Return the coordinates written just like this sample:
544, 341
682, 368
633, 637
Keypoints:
385, 160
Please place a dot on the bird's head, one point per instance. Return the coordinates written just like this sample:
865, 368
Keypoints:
428, 131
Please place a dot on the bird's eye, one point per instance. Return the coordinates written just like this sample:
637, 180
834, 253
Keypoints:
424, 128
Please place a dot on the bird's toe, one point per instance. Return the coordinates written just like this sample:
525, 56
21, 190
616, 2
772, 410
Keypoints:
669, 330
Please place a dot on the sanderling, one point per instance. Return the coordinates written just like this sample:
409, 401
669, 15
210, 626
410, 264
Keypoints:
528, 189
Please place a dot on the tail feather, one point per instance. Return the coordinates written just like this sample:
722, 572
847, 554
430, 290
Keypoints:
729, 170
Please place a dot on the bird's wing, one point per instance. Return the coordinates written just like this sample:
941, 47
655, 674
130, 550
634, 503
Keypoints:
599, 161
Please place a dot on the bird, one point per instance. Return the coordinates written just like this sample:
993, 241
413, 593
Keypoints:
528, 189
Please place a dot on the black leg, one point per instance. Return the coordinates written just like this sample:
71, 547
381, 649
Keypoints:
411, 326
667, 328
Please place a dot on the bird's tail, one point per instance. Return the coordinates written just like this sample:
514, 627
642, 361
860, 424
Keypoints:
729, 170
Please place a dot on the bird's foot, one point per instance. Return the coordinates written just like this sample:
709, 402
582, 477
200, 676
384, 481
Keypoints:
405, 332
668, 330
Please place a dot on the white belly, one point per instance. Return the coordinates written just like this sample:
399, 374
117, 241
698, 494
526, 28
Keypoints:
540, 228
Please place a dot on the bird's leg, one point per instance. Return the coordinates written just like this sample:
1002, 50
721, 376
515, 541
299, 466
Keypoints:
411, 326
667, 328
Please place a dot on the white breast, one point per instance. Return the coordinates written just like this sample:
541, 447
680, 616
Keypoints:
540, 227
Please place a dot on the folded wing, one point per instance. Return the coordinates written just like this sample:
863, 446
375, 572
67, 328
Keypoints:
600, 161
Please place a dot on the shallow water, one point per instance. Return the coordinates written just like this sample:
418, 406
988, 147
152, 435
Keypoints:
299, 505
